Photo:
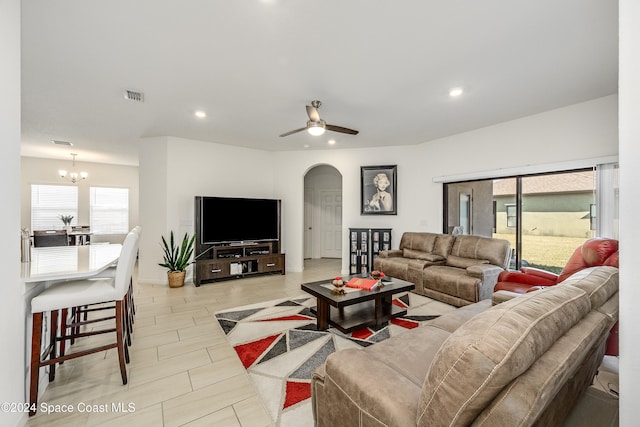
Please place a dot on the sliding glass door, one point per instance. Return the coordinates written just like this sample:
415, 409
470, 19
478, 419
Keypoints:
556, 217
545, 216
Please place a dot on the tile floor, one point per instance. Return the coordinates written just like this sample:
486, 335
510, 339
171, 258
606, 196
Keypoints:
182, 371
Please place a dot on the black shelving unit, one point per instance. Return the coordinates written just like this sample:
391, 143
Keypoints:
364, 246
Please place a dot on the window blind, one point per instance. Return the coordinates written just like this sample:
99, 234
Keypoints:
109, 210
48, 202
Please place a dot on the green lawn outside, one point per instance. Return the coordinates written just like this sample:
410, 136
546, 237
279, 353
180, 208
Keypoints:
549, 253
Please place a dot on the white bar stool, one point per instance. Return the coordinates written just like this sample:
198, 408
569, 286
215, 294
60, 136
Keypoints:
66, 295
110, 272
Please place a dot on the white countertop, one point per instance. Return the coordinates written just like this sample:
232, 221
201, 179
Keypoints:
68, 262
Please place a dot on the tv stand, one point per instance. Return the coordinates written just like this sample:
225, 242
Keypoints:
234, 259
239, 260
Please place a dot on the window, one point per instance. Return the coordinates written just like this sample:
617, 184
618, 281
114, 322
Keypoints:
511, 215
48, 202
465, 213
109, 210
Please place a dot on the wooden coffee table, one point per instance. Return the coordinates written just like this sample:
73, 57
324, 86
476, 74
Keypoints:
356, 309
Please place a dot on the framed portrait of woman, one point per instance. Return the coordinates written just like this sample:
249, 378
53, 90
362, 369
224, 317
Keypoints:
378, 190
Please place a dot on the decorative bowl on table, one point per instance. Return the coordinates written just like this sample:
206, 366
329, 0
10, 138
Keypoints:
338, 285
377, 275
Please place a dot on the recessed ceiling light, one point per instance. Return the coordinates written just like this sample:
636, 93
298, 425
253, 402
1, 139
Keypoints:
456, 91
332, 141
306, 145
201, 114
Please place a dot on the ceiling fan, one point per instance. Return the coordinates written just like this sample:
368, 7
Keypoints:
316, 126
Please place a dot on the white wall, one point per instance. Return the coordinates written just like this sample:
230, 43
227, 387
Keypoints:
152, 166
45, 171
629, 85
12, 310
173, 171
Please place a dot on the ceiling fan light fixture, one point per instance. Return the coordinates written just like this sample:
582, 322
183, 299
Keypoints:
316, 128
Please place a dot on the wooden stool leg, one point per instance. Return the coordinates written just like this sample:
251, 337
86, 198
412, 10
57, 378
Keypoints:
36, 342
120, 340
53, 335
76, 320
127, 329
127, 319
63, 332
133, 306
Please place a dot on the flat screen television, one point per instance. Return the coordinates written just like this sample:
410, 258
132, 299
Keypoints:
234, 220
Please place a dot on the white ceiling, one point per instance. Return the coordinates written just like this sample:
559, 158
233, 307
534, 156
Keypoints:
381, 67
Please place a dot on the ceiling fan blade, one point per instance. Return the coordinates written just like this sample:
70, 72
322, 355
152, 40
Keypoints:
342, 129
293, 131
313, 113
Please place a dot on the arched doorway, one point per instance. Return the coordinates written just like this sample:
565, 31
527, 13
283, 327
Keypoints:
322, 213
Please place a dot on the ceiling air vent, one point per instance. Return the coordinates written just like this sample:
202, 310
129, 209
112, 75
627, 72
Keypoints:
67, 143
132, 95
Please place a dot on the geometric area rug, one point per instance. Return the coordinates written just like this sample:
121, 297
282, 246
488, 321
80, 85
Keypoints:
280, 347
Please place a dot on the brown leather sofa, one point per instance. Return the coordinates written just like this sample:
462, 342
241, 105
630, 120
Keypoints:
525, 361
458, 270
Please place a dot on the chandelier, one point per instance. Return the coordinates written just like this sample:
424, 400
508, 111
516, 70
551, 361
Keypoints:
73, 176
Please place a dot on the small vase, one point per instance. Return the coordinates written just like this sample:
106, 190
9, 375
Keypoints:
176, 278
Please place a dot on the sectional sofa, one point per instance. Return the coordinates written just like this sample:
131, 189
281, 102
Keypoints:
458, 270
525, 361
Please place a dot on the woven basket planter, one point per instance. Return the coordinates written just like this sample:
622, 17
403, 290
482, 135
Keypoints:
176, 278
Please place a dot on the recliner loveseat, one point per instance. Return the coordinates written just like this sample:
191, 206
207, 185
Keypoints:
458, 270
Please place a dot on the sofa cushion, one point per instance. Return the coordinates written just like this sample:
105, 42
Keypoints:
411, 253
527, 397
393, 267
454, 319
600, 283
485, 354
443, 245
460, 262
353, 396
424, 340
419, 241
451, 281
496, 251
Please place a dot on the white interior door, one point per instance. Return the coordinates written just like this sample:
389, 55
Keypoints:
331, 220
308, 223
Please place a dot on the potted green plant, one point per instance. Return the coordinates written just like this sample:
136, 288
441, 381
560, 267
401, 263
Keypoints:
66, 220
177, 258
